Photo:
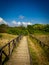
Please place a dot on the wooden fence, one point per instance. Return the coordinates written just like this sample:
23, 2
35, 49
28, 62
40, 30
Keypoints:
40, 42
43, 45
10, 46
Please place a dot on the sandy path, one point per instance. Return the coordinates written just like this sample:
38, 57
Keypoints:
21, 54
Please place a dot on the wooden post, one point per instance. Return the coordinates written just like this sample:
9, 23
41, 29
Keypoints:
9, 49
0, 57
13, 44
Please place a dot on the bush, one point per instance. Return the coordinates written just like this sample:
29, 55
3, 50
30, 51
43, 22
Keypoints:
0, 36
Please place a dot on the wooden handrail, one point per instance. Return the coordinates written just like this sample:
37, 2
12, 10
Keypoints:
7, 56
40, 42
43, 45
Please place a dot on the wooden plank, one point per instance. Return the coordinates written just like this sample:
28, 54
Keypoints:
2, 52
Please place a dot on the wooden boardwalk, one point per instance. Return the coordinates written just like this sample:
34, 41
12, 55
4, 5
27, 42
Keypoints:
21, 55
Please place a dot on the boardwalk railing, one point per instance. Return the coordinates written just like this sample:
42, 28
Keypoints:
6, 51
40, 42
43, 45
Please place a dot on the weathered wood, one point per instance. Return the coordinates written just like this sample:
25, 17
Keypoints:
40, 42
5, 54
0, 57
9, 49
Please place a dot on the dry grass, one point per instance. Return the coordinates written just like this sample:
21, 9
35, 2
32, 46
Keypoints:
43, 38
37, 53
6, 38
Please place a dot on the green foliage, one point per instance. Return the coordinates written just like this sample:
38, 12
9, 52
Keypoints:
17, 30
38, 28
0, 35
32, 29
13, 30
3, 28
33, 55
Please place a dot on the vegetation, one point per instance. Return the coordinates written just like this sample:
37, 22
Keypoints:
45, 40
33, 56
5, 38
32, 29
38, 56
38, 29
13, 30
7, 33
0, 36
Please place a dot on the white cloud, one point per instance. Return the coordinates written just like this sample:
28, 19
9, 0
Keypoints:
29, 23
19, 23
5, 22
26, 23
2, 21
14, 22
21, 17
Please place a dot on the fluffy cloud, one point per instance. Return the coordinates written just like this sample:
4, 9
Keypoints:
21, 23
26, 23
14, 22
21, 17
2, 21
29, 23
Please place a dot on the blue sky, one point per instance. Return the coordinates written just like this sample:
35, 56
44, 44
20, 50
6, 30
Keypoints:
34, 11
